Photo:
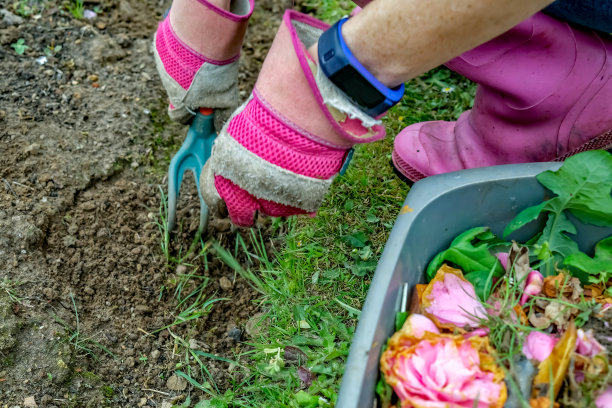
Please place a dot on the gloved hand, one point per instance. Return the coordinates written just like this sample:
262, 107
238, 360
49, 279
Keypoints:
208, 78
280, 151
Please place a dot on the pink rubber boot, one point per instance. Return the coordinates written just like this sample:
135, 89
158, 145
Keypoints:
544, 93
208, 78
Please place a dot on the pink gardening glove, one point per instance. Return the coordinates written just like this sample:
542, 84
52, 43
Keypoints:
208, 78
280, 151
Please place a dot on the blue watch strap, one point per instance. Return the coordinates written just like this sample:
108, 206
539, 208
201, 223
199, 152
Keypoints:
347, 73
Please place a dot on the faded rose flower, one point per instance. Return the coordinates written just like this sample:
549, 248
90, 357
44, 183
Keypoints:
587, 344
443, 370
450, 300
538, 345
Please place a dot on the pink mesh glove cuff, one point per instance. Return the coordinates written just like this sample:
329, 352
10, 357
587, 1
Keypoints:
280, 151
191, 79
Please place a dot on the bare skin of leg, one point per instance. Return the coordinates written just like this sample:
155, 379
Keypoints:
184, 21
397, 40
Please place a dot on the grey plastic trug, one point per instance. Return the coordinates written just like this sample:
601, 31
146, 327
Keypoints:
436, 210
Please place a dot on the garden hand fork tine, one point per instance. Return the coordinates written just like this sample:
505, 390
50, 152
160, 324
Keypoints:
192, 155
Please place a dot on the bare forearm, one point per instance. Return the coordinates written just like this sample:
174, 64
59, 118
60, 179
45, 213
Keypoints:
397, 40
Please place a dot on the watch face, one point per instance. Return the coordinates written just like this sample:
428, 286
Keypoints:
357, 88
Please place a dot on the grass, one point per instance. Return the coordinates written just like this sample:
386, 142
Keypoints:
315, 286
10, 288
75, 338
313, 289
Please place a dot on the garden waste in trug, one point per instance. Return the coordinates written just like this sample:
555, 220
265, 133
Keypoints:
509, 324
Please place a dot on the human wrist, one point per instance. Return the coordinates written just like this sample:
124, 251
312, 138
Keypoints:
370, 57
340, 67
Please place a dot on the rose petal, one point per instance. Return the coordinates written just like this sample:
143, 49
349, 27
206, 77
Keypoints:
538, 345
605, 399
587, 344
533, 287
451, 300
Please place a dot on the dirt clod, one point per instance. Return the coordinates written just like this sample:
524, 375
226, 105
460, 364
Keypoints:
176, 383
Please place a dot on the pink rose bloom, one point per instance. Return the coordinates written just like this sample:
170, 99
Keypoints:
538, 345
587, 344
442, 371
605, 399
451, 299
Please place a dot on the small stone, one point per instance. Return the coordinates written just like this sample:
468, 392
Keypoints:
30, 402
34, 148
129, 362
49, 293
69, 241
10, 18
181, 269
225, 283
193, 344
155, 355
101, 25
235, 334
255, 325
176, 383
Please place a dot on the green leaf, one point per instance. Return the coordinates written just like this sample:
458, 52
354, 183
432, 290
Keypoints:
306, 400
470, 252
601, 263
371, 218
400, 319
583, 184
362, 268
554, 235
356, 240
212, 403
523, 218
482, 282
384, 392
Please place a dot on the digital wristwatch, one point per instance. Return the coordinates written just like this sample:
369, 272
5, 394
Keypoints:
347, 73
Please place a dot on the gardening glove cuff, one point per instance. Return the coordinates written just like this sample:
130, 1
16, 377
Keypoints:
280, 151
201, 79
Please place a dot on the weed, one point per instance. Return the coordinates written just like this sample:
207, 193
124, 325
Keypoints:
27, 8
143, 359
107, 391
20, 46
8, 286
80, 343
76, 8
52, 49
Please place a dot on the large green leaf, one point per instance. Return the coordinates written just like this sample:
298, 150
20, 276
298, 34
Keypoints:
470, 252
582, 187
601, 263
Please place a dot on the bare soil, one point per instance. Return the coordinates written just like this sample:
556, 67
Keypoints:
85, 143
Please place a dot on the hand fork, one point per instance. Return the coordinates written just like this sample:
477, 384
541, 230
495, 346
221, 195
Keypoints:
192, 155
